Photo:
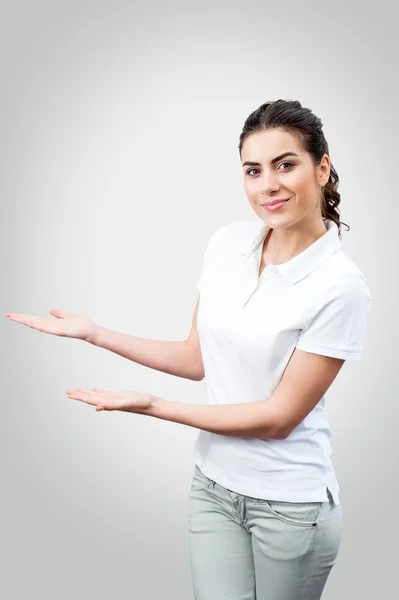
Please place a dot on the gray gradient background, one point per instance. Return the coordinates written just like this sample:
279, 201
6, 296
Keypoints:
119, 132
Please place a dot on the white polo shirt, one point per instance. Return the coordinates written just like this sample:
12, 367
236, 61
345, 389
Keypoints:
248, 328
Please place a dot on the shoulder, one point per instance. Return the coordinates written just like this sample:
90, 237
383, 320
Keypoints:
341, 274
352, 285
344, 297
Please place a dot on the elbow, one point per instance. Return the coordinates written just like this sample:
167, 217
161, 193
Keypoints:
282, 430
282, 422
193, 363
274, 432
192, 375
196, 372
199, 373
281, 434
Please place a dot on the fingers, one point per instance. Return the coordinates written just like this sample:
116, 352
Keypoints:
23, 319
89, 391
96, 397
86, 396
39, 323
59, 314
17, 317
103, 400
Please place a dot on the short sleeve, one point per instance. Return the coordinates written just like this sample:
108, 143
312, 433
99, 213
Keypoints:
338, 320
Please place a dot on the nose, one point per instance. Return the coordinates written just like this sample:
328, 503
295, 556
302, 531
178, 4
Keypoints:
269, 183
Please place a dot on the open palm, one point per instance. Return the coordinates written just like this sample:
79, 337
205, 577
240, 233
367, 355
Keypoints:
64, 324
138, 402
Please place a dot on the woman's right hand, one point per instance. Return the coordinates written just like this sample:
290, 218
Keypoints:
64, 324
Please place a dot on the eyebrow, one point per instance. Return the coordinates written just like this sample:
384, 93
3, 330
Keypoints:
256, 164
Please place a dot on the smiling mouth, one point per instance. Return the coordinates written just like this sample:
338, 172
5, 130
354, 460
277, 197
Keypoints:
274, 202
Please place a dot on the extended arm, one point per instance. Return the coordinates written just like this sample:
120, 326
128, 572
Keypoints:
305, 380
249, 419
179, 358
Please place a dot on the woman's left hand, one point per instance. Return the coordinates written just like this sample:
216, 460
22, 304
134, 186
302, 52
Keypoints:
106, 400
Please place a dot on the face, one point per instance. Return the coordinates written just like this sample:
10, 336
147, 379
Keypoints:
269, 176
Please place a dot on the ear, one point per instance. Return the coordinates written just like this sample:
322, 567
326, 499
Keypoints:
323, 172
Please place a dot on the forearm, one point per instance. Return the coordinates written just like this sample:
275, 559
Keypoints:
172, 357
247, 420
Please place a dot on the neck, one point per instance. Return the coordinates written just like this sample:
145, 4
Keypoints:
281, 245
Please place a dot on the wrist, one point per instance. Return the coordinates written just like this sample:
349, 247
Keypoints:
157, 406
92, 336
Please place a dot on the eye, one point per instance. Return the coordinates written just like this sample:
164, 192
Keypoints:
289, 165
286, 163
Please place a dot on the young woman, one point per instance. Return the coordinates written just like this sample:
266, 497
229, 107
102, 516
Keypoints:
281, 307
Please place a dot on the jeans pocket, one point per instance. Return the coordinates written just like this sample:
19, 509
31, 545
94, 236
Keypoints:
199, 481
304, 514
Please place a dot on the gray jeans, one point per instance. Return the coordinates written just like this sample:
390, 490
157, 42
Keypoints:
244, 548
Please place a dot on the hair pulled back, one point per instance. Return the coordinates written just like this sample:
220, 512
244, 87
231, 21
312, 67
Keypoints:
292, 117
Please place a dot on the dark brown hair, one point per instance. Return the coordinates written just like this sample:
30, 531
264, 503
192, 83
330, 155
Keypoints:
291, 116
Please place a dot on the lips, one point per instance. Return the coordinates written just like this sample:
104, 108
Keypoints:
274, 202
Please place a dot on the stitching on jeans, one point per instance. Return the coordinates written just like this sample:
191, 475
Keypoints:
310, 564
276, 514
312, 556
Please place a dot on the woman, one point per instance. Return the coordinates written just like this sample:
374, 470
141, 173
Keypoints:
282, 307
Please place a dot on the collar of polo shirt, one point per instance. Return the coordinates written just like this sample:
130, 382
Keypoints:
306, 261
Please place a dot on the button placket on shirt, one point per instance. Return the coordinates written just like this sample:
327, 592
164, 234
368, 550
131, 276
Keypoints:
268, 274
253, 260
